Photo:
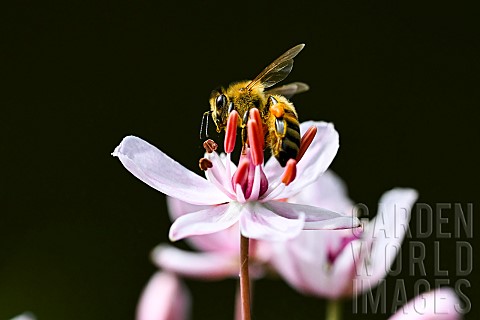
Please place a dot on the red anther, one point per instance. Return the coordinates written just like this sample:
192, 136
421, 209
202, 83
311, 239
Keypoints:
231, 131
255, 115
204, 164
306, 141
255, 142
210, 145
241, 175
290, 172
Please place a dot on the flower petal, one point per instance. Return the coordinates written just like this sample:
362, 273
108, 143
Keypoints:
316, 160
161, 172
212, 266
222, 241
303, 263
385, 233
258, 222
213, 219
440, 304
164, 298
218, 174
328, 191
315, 218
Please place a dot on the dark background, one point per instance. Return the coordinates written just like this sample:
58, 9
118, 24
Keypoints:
399, 81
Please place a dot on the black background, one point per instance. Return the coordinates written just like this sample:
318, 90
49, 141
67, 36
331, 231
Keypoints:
400, 83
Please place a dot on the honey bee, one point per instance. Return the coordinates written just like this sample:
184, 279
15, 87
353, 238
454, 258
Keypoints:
279, 117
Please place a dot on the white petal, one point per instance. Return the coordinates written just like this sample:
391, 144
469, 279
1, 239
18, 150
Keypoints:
316, 160
315, 218
385, 232
213, 219
164, 298
166, 175
440, 304
218, 174
222, 241
211, 265
258, 222
328, 191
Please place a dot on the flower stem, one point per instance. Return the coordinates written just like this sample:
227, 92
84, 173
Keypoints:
244, 278
334, 310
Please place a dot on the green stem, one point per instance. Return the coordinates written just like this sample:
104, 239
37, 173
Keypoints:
334, 310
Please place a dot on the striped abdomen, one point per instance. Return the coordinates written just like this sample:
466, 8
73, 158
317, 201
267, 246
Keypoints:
284, 136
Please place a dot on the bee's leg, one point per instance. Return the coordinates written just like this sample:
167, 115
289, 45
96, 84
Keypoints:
277, 110
205, 117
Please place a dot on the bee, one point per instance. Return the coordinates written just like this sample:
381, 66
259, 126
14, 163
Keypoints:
279, 117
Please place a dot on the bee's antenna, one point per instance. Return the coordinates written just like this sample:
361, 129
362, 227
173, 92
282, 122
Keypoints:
206, 114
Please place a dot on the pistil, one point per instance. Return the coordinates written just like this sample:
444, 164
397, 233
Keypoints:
231, 131
255, 141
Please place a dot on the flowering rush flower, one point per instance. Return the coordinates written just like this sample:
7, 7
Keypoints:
340, 263
164, 298
252, 194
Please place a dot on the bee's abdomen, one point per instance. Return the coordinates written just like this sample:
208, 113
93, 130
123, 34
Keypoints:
290, 143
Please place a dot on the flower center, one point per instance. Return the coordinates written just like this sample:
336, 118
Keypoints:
250, 178
333, 253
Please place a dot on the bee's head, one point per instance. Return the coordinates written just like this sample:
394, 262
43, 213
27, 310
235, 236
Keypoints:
219, 103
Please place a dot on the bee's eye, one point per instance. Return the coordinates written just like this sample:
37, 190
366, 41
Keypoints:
221, 101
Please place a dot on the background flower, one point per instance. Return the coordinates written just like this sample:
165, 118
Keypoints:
164, 298
334, 263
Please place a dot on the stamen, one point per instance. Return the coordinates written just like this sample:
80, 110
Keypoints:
231, 132
210, 146
205, 164
255, 115
306, 141
290, 172
241, 175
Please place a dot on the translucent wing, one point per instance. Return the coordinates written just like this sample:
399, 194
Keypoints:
277, 70
289, 90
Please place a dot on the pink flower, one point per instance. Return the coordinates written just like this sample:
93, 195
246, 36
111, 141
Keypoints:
164, 298
250, 194
218, 256
339, 263
440, 304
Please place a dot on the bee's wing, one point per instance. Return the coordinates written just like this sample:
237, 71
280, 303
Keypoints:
277, 70
289, 90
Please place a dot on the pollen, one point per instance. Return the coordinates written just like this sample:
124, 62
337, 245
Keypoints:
277, 110
205, 164
290, 172
231, 132
306, 141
